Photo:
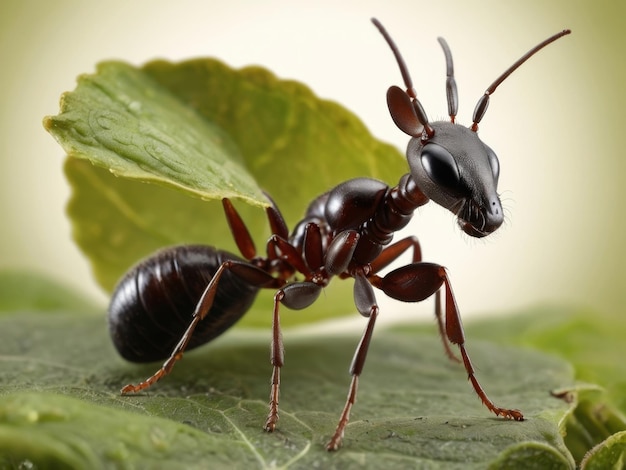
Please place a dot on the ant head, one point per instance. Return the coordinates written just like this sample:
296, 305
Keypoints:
449, 163
458, 171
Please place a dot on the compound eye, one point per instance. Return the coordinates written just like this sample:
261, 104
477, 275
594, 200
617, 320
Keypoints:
494, 163
440, 166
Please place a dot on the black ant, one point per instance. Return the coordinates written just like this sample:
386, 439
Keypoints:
183, 297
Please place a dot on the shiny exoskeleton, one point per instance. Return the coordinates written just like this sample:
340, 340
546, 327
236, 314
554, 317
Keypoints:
185, 296
152, 304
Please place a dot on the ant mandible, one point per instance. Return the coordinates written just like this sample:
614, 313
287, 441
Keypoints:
183, 297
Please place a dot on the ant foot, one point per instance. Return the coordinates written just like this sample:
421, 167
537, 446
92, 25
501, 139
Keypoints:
515, 415
335, 443
270, 422
130, 388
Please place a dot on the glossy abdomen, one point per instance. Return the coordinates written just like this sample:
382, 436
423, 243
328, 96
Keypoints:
153, 303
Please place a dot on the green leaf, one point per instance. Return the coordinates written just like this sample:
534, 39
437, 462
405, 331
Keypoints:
123, 121
28, 291
46, 430
609, 454
415, 408
296, 145
293, 144
591, 424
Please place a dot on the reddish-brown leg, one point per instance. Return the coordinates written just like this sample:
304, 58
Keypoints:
276, 219
250, 273
282, 249
296, 296
277, 358
442, 328
394, 251
454, 331
366, 304
416, 282
313, 250
240, 232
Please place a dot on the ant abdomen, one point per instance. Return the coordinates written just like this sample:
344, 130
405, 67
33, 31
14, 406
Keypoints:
153, 303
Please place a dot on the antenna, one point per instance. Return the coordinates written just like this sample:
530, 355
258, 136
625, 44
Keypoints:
451, 92
483, 102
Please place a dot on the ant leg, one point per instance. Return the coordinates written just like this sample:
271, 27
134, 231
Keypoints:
394, 251
312, 246
248, 272
418, 281
277, 359
454, 331
340, 251
276, 219
240, 231
238, 228
279, 248
366, 304
296, 296
442, 329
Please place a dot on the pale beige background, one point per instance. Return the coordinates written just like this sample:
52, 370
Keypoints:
556, 124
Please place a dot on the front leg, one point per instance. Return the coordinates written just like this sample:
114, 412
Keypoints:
454, 331
418, 281
395, 250
391, 254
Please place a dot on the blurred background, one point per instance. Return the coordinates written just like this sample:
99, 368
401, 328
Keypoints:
556, 124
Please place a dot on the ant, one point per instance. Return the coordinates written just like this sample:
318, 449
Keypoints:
184, 296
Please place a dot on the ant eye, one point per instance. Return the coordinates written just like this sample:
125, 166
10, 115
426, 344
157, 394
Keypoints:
494, 163
440, 166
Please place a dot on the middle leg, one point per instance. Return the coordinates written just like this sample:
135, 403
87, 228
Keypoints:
296, 296
365, 302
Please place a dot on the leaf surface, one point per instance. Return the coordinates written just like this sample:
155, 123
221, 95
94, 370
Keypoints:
121, 120
415, 407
